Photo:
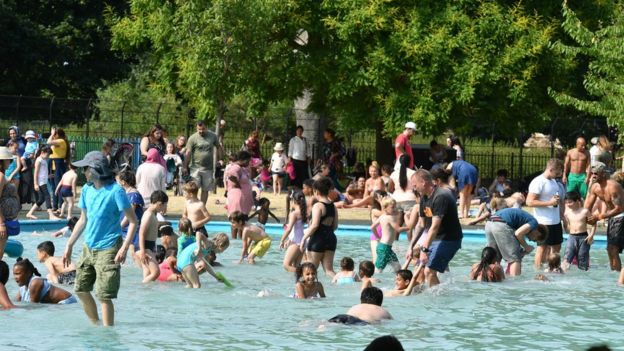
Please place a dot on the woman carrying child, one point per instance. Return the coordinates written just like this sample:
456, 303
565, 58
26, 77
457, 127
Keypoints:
293, 231
238, 186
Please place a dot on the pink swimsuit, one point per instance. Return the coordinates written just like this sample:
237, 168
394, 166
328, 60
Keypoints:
165, 271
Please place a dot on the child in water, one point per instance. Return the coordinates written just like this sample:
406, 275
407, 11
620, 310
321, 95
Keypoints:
580, 236
375, 213
489, 269
389, 230
58, 272
401, 282
5, 300
307, 285
33, 288
255, 241
347, 272
67, 229
554, 264
186, 264
263, 213
366, 271
293, 231
168, 269
148, 233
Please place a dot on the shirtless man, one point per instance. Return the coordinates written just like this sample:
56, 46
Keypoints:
576, 168
612, 194
369, 309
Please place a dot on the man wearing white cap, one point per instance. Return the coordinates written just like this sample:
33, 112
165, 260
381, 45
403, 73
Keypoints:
403, 145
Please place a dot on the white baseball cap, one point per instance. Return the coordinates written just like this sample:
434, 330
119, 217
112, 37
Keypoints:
410, 125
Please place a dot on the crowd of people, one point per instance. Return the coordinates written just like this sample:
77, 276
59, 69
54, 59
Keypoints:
122, 211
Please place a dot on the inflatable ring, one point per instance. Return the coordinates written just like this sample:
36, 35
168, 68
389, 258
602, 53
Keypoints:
13, 248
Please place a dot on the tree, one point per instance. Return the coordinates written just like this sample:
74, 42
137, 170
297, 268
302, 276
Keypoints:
604, 80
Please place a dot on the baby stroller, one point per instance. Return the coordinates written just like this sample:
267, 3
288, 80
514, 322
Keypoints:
122, 158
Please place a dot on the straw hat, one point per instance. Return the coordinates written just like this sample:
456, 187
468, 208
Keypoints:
5, 154
278, 147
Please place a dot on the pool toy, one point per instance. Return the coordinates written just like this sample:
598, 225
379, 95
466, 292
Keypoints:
12, 226
13, 248
224, 279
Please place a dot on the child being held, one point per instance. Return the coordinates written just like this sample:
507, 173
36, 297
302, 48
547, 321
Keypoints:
580, 238
554, 264
33, 288
401, 282
57, 271
66, 230
307, 285
255, 241
366, 271
489, 269
347, 272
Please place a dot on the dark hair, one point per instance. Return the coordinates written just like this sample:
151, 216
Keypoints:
404, 161
238, 217
542, 231
154, 128
502, 173
243, 156
323, 185
46, 149
172, 251
47, 247
299, 127
372, 295
264, 201
4, 272
165, 230
378, 193
440, 174
455, 140
128, 177
71, 223
405, 274
386, 168
433, 143
160, 253
27, 265
300, 200
200, 122
309, 182
488, 256
330, 132
573, 196
301, 267
347, 263
385, 343
554, 262
159, 196
367, 268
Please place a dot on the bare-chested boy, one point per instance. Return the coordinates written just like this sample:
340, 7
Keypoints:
57, 272
576, 170
195, 210
148, 233
612, 194
389, 229
255, 241
575, 224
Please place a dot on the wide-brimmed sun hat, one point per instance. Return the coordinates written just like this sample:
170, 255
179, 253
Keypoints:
278, 147
30, 134
5, 154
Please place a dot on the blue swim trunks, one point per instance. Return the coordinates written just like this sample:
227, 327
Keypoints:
442, 252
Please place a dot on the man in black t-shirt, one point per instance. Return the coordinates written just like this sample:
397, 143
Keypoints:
438, 215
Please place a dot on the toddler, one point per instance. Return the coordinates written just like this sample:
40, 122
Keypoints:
366, 271
57, 271
66, 189
278, 167
554, 264
347, 272
67, 229
307, 285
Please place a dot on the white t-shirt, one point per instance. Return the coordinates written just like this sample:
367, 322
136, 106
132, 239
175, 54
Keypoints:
545, 190
594, 151
42, 176
278, 162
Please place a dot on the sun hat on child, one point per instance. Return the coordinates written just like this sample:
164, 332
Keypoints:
278, 147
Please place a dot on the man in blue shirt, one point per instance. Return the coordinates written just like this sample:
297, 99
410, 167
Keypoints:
102, 201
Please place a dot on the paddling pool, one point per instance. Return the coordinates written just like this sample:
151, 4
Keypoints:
571, 311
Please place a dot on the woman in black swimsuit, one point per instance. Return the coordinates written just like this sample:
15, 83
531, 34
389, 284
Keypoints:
324, 220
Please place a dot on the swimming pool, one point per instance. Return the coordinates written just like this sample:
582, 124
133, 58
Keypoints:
572, 311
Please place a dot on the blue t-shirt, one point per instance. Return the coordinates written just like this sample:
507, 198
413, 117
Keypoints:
136, 199
104, 207
516, 218
31, 148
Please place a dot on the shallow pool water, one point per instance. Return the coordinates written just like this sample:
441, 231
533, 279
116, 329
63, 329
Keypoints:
572, 311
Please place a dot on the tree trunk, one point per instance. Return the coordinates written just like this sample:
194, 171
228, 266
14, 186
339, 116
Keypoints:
311, 122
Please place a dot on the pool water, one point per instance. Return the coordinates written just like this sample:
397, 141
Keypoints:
572, 311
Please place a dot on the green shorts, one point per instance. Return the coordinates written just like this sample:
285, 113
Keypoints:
385, 255
576, 182
98, 267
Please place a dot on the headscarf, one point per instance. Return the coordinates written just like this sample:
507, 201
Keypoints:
153, 156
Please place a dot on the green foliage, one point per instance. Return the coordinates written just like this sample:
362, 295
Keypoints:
604, 80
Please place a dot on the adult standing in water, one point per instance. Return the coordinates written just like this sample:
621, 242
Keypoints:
548, 203
612, 193
438, 215
198, 161
58, 160
102, 201
238, 186
322, 241
402, 145
576, 168
9, 201
299, 154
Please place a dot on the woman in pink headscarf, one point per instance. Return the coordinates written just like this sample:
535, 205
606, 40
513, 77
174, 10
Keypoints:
151, 175
238, 185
